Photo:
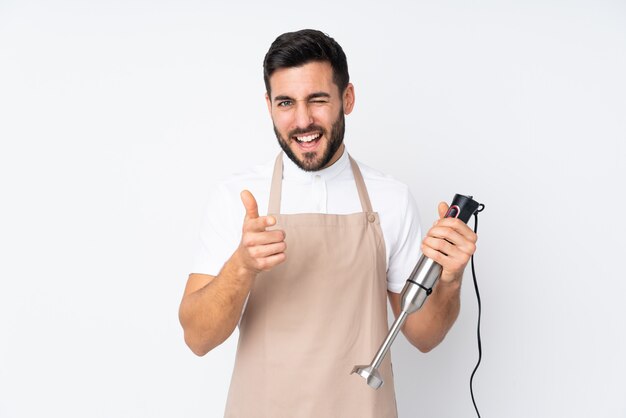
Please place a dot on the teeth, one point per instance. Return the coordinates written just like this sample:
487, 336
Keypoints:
307, 138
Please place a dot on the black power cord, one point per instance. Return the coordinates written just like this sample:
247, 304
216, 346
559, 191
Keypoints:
480, 346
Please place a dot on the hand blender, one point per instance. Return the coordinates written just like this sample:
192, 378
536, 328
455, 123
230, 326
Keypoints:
418, 287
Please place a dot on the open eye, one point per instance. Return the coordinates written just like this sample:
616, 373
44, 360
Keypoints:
284, 103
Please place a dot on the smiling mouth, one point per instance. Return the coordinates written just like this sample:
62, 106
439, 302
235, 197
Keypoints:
307, 138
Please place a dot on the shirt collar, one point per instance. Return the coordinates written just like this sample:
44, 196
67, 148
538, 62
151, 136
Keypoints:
292, 172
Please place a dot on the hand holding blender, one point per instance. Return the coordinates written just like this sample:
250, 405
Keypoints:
418, 287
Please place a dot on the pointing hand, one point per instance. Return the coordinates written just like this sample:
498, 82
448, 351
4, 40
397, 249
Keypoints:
260, 249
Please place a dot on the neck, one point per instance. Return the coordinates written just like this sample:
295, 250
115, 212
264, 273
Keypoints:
336, 156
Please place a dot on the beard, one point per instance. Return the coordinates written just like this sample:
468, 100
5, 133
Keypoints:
309, 161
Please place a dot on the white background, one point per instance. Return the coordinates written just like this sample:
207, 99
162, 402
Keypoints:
116, 117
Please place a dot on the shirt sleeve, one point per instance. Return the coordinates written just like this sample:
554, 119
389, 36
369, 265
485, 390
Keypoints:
406, 248
219, 233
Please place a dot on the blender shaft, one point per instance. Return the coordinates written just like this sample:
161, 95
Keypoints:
391, 336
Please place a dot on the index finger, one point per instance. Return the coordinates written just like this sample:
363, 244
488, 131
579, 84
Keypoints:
459, 226
258, 224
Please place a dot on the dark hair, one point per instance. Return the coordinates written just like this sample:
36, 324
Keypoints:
294, 49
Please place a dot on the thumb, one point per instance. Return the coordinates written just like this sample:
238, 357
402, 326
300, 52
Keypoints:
442, 209
249, 202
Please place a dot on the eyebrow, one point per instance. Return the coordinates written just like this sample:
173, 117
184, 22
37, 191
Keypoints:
309, 97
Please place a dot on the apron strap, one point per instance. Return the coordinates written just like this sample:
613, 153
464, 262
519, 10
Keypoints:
360, 186
277, 179
276, 189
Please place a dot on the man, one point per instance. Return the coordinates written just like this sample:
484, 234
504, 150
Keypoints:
308, 283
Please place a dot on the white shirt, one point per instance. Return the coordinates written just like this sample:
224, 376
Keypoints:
330, 190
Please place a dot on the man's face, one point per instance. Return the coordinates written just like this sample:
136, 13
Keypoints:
307, 110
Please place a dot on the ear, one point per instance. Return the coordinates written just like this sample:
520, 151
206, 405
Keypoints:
348, 99
268, 101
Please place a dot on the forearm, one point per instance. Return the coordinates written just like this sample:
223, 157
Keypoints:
211, 306
427, 327
450, 243
210, 314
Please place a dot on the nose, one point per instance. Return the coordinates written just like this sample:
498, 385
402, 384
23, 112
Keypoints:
303, 115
